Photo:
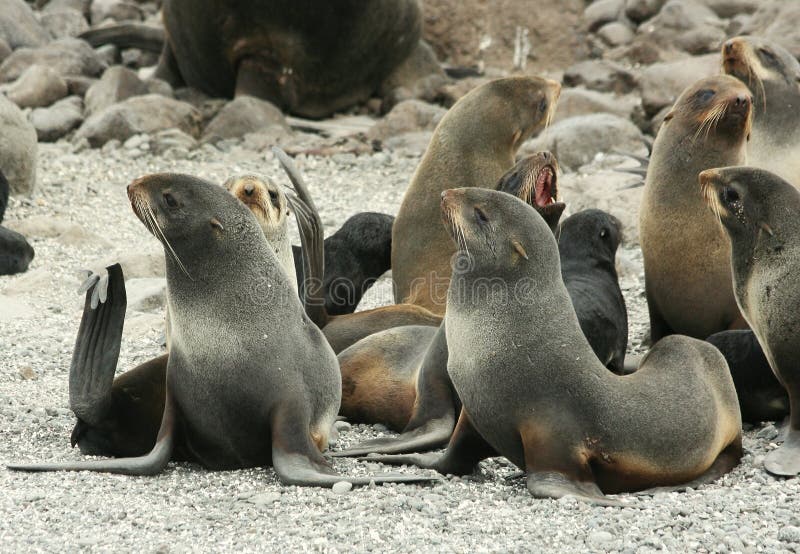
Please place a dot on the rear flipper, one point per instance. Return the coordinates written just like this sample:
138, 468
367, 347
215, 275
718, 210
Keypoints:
433, 434
297, 461
94, 359
150, 464
556, 485
785, 461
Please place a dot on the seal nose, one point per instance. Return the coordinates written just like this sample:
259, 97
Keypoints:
728, 48
742, 101
248, 189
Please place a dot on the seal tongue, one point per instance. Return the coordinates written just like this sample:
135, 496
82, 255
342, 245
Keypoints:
544, 187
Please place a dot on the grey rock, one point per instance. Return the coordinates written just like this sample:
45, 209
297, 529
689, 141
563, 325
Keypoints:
581, 101
662, 83
768, 433
117, 84
141, 114
134, 57
265, 498
5, 50
639, 10
243, 115
602, 75
600, 12
732, 8
56, 121
18, 25
17, 148
159, 86
146, 294
789, 533
342, 487
108, 54
57, 5
409, 144
78, 84
28, 374
577, 140
66, 56
38, 86
116, 10
701, 40
684, 14
599, 539
616, 33
407, 117
64, 22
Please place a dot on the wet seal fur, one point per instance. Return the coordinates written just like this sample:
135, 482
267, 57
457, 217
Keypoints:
250, 379
534, 392
473, 145
16, 253
773, 76
760, 213
686, 256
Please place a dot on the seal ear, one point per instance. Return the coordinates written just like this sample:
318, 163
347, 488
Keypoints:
217, 225
519, 248
667, 117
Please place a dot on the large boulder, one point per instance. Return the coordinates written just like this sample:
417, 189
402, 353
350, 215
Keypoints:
117, 83
18, 25
38, 86
577, 140
602, 75
64, 23
662, 83
581, 101
245, 114
141, 114
56, 121
406, 117
66, 56
17, 148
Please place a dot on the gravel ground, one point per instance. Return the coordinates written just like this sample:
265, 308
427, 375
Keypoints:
190, 509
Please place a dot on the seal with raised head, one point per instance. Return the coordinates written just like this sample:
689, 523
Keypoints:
250, 379
533, 390
760, 213
686, 256
473, 146
773, 76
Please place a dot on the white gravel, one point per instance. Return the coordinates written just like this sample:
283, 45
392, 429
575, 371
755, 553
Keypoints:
190, 509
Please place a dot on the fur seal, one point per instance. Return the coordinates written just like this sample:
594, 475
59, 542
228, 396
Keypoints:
773, 76
16, 253
686, 257
473, 146
761, 395
310, 59
759, 212
355, 257
246, 362
533, 390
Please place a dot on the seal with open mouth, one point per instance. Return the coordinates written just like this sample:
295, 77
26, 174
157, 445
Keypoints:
533, 391
686, 256
760, 213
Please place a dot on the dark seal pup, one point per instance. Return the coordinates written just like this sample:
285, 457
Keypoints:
760, 213
16, 253
533, 390
250, 379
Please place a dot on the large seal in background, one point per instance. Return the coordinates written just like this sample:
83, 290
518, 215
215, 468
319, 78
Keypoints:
473, 146
686, 256
311, 58
760, 212
773, 76
534, 392
250, 379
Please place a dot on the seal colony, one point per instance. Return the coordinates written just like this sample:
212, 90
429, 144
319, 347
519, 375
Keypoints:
509, 332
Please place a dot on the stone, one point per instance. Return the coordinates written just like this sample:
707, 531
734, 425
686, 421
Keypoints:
17, 148
5, 50
409, 144
27, 373
616, 34
141, 114
640, 10
146, 294
600, 12
732, 8
64, 22
56, 121
38, 86
115, 10
683, 15
581, 101
108, 54
170, 139
599, 539
244, 114
789, 533
265, 498
602, 75
18, 25
577, 140
78, 84
701, 40
66, 56
118, 83
159, 86
342, 487
407, 117
57, 5
662, 83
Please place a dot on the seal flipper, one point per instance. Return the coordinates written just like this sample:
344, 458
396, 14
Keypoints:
551, 484
434, 414
312, 240
297, 461
96, 353
785, 461
150, 464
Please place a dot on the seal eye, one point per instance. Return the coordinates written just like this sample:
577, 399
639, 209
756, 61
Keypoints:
768, 56
543, 105
170, 200
705, 95
273, 197
603, 233
729, 196
480, 217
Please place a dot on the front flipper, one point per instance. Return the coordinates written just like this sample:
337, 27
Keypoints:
785, 461
297, 461
312, 240
555, 485
150, 464
94, 359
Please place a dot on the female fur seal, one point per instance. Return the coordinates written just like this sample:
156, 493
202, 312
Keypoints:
250, 379
473, 146
533, 390
760, 213
686, 257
